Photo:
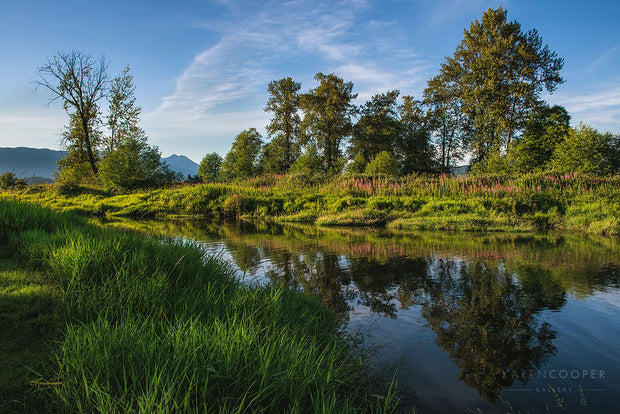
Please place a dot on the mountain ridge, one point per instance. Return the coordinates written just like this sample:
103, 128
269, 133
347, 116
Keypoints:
26, 162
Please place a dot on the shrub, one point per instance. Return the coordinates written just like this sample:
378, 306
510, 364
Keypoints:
8, 181
383, 163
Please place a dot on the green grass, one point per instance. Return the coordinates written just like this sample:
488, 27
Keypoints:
528, 203
119, 322
30, 324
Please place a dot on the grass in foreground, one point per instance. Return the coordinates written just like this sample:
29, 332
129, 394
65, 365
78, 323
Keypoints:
30, 324
152, 326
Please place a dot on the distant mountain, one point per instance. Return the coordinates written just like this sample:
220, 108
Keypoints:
182, 164
29, 162
41, 163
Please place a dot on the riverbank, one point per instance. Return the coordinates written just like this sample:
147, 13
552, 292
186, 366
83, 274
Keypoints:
528, 203
128, 323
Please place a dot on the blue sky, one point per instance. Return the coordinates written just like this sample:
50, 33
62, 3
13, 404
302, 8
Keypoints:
201, 68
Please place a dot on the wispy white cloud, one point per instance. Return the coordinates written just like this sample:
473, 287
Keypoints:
599, 108
371, 79
594, 101
260, 43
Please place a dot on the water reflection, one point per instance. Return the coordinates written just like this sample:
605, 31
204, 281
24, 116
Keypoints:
482, 296
487, 323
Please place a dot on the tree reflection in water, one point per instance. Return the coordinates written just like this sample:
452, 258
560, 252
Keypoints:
484, 317
481, 296
487, 323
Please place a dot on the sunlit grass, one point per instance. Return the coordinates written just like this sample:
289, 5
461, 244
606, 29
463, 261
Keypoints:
30, 323
532, 202
156, 326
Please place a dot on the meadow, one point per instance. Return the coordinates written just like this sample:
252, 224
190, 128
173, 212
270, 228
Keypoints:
105, 320
525, 203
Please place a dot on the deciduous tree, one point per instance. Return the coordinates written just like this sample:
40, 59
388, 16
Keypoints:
123, 113
209, 169
378, 128
446, 120
413, 146
586, 150
243, 159
80, 82
501, 72
284, 128
546, 128
328, 110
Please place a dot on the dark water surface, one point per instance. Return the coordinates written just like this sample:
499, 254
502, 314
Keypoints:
470, 323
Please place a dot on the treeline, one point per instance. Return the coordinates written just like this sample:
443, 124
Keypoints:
485, 102
111, 150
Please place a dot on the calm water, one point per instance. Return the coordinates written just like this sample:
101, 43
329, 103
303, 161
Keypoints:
499, 323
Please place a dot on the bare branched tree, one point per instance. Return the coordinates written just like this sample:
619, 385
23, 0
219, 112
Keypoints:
79, 81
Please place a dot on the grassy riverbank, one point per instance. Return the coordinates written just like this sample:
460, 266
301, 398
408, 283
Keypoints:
535, 202
112, 321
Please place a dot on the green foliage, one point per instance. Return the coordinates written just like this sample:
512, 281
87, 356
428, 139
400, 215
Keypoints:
544, 131
414, 147
383, 163
123, 115
378, 128
30, 317
328, 110
74, 170
500, 72
151, 325
134, 164
285, 126
243, 158
80, 83
9, 181
496, 202
309, 163
585, 150
209, 169
357, 165
76, 167
445, 118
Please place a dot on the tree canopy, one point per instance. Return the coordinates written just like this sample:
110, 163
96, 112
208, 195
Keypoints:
80, 82
209, 168
243, 159
285, 126
328, 109
500, 71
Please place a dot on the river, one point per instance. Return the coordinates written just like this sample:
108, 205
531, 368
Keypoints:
465, 322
